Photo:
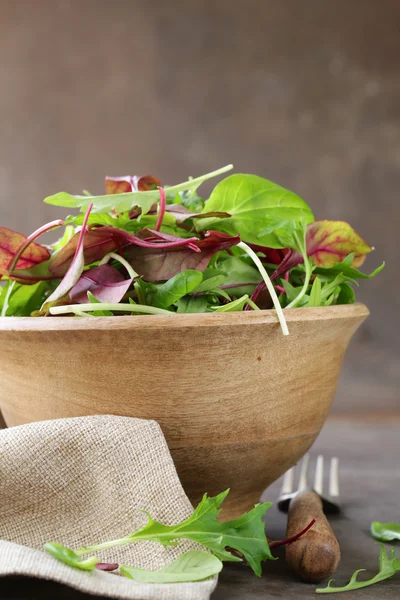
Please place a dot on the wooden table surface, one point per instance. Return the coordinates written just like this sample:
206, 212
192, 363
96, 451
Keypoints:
368, 449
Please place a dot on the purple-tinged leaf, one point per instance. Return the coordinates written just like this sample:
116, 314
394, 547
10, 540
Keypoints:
97, 243
106, 283
75, 269
156, 264
180, 212
120, 185
103, 240
13, 244
107, 566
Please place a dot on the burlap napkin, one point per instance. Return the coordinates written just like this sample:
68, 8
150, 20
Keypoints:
80, 481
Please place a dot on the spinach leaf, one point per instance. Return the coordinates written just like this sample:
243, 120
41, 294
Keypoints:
194, 565
388, 566
172, 290
239, 272
23, 300
192, 304
257, 207
212, 279
385, 532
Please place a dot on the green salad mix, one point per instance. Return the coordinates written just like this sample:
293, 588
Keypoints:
143, 248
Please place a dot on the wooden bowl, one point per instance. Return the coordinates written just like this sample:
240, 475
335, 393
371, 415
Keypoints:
238, 402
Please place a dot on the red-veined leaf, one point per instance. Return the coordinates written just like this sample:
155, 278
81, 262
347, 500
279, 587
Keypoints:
103, 240
105, 282
329, 242
161, 264
10, 242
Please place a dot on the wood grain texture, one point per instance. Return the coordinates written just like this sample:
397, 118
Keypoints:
238, 402
316, 555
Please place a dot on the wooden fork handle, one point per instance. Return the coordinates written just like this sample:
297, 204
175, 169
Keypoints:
316, 555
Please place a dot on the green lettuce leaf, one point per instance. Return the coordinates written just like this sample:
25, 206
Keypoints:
194, 565
385, 532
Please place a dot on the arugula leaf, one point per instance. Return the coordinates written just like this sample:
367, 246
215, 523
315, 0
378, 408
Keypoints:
385, 532
388, 566
344, 267
127, 200
190, 200
255, 205
246, 534
177, 287
315, 296
194, 565
70, 558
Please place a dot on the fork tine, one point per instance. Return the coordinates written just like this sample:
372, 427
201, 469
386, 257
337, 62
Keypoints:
303, 473
287, 484
319, 475
334, 478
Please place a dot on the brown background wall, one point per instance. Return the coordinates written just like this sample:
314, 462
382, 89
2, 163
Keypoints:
304, 93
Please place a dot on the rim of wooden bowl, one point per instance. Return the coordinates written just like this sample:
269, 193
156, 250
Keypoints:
256, 317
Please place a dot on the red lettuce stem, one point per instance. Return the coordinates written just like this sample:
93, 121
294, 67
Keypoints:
293, 538
163, 203
30, 239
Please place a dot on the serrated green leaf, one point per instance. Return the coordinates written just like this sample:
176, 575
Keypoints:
125, 201
344, 268
388, 566
195, 565
246, 534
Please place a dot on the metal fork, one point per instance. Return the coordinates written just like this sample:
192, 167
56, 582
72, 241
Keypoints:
316, 555
330, 501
